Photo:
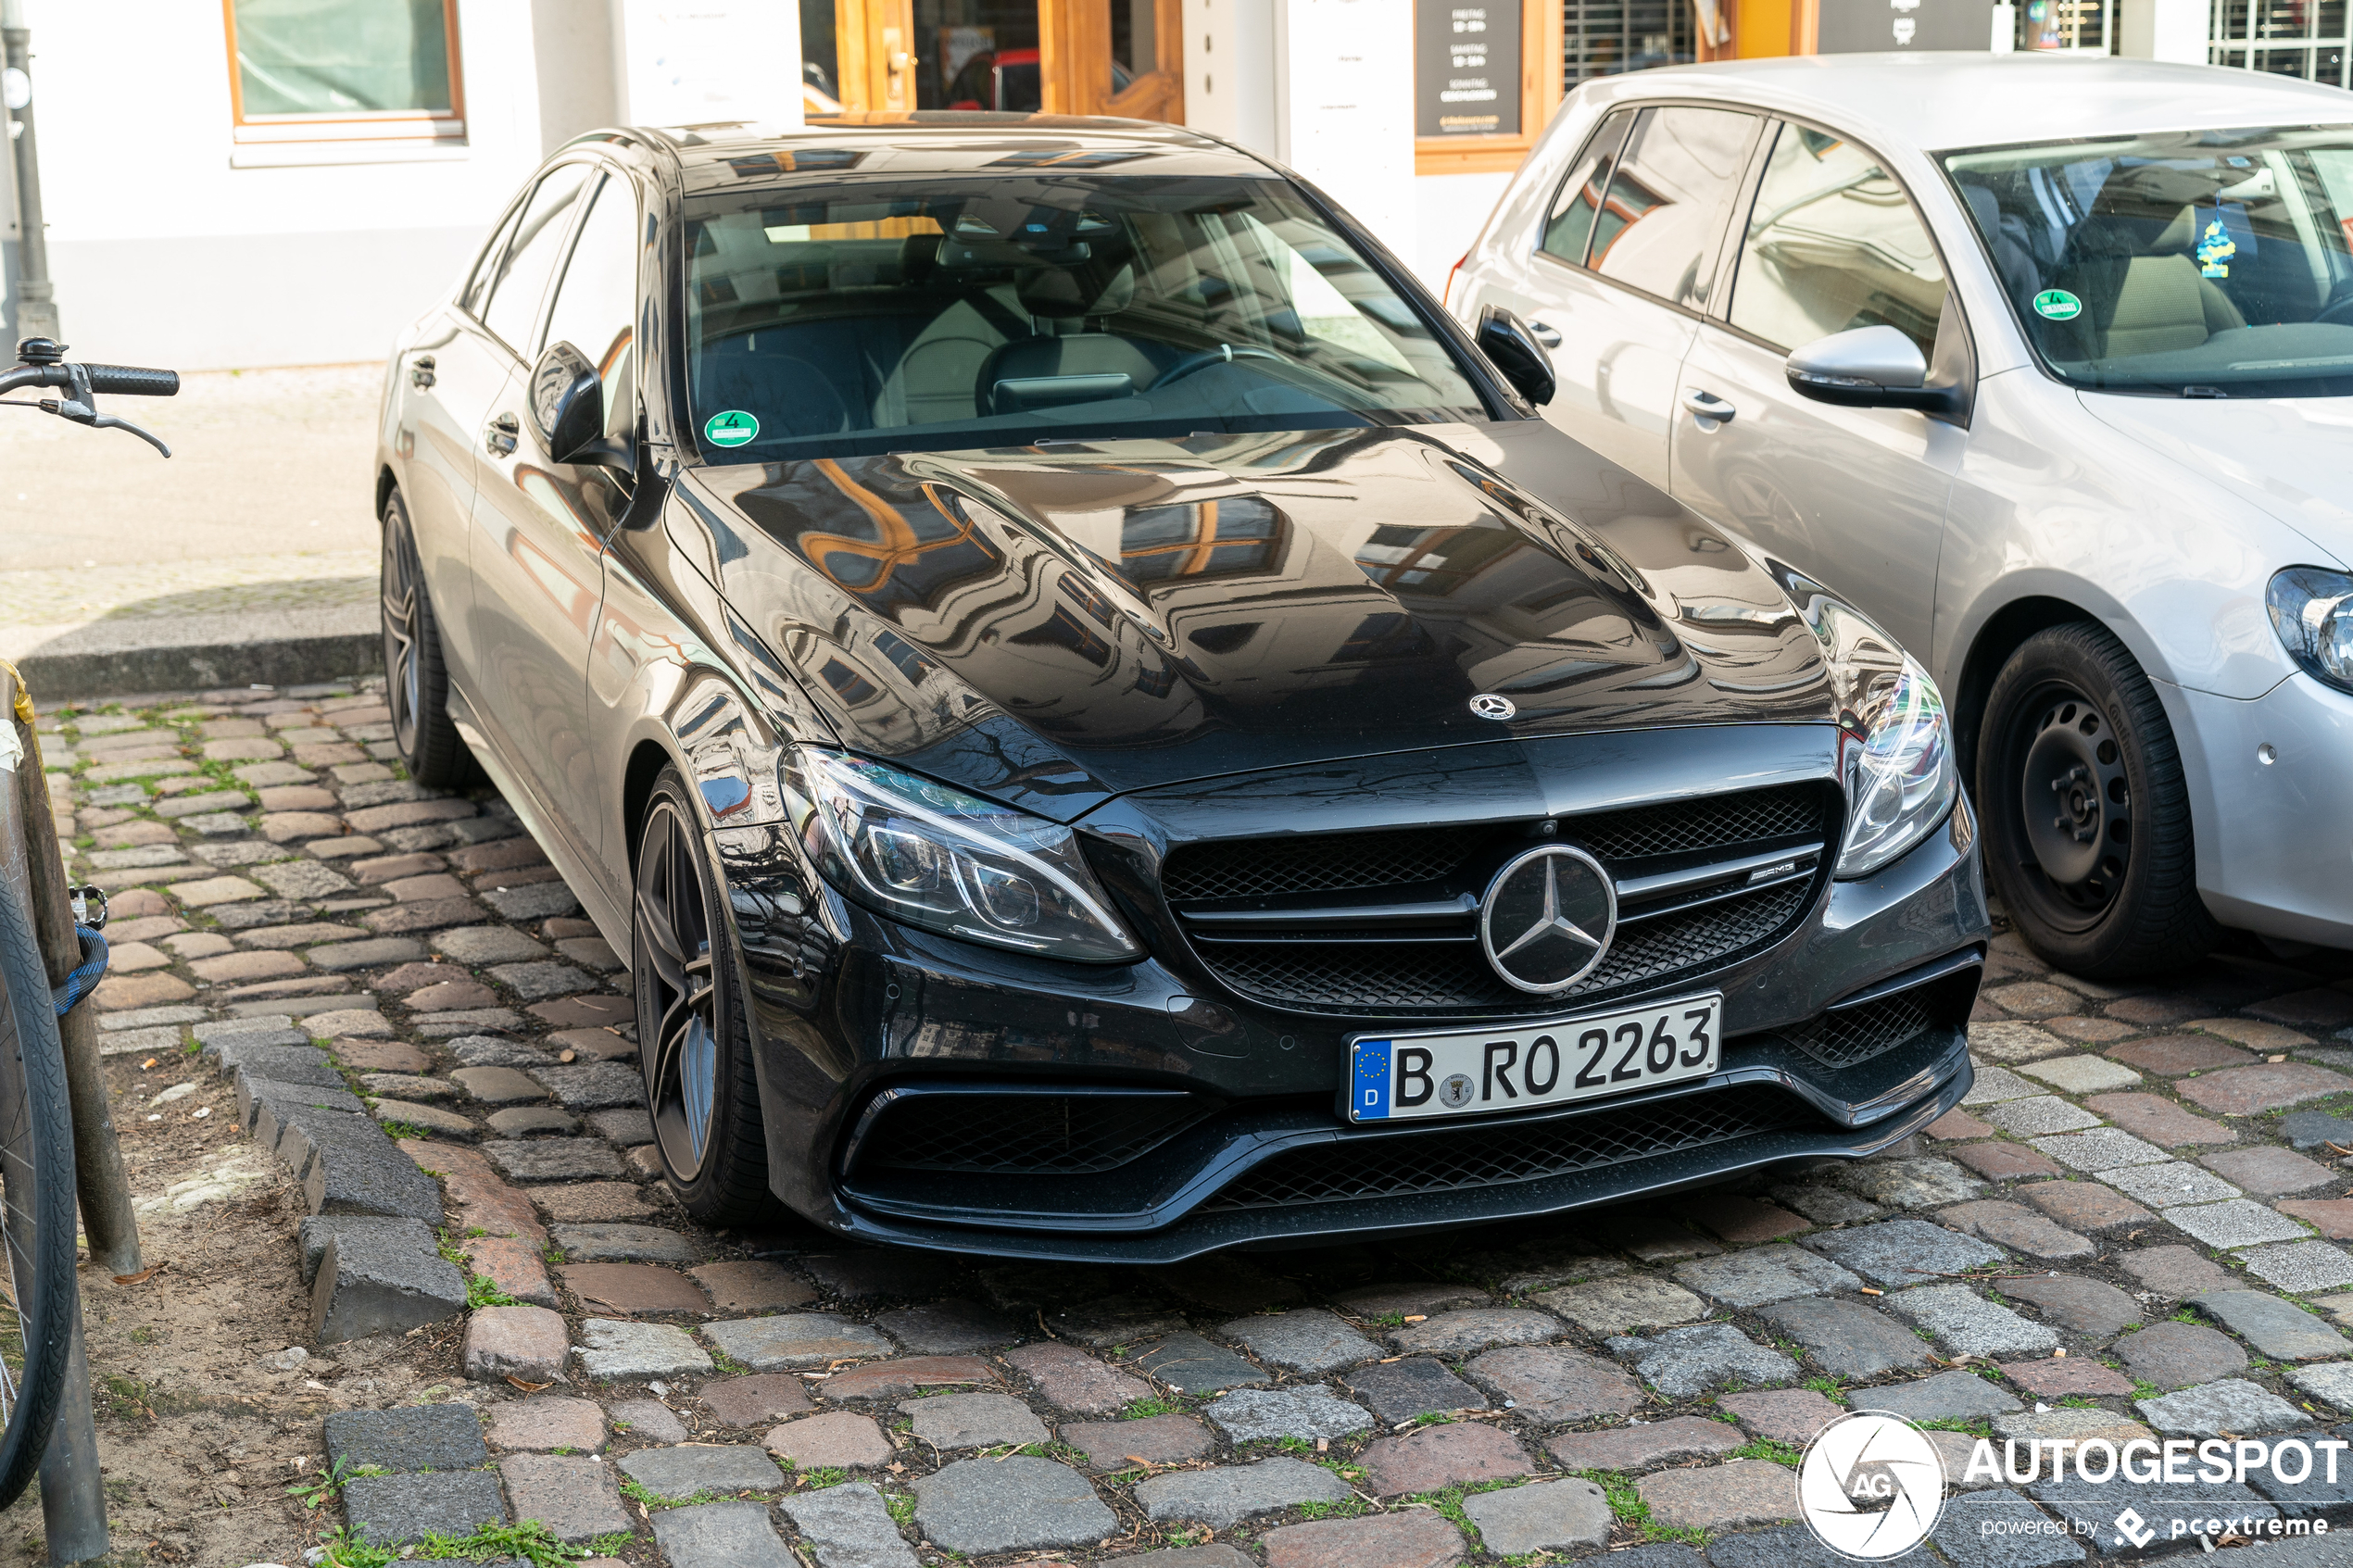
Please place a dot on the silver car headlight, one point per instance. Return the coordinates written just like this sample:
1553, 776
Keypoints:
1898, 757
2312, 611
937, 858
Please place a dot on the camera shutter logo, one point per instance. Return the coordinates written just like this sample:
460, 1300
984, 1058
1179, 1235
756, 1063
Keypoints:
1870, 1486
1547, 919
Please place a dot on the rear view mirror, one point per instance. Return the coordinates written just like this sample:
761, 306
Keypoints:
1507, 340
1867, 368
568, 409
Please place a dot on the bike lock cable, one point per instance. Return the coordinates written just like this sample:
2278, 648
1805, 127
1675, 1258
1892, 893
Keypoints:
86, 978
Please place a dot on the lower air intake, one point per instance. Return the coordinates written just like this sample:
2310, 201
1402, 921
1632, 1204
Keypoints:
1393, 1165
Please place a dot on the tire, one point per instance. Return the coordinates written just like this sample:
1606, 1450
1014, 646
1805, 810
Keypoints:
416, 682
36, 1178
693, 1037
2087, 820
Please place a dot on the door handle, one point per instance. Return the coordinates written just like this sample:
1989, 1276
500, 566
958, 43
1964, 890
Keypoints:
1546, 334
1707, 405
500, 437
420, 371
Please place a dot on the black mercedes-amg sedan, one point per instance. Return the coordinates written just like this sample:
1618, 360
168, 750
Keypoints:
1107, 726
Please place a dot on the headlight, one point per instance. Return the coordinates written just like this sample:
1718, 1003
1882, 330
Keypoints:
2312, 611
1900, 779
948, 861
1895, 748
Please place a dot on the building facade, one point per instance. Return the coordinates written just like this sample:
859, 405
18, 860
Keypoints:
285, 181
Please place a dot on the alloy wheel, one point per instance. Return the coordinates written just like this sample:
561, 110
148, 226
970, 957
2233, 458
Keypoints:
679, 1000
401, 586
2076, 801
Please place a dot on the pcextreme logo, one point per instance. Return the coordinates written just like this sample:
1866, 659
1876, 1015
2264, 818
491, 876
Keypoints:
1870, 1485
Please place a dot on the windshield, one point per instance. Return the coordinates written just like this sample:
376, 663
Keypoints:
2201, 264
902, 315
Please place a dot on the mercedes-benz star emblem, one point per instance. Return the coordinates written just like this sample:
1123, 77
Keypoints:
1487, 705
1547, 919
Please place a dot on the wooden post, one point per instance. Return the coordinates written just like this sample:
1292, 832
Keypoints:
104, 1190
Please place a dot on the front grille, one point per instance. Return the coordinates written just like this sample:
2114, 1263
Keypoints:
1377, 977
1393, 1165
1023, 1134
1330, 958
1257, 868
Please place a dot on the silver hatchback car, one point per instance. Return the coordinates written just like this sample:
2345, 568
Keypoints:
2047, 364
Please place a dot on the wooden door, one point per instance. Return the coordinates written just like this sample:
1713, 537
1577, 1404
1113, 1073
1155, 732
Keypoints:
1122, 57
877, 42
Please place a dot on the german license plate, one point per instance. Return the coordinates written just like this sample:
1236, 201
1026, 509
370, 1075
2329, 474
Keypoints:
1518, 1068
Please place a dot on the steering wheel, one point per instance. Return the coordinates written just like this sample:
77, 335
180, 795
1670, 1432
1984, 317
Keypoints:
2337, 309
1224, 354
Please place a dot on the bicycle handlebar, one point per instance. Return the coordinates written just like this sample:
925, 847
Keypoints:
129, 380
133, 381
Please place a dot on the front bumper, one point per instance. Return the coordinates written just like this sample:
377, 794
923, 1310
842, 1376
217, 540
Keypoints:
854, 1016
2274, 839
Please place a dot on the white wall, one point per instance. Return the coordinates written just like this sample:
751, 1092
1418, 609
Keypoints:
1449, 211
1344, 107
165, 254
2163, 30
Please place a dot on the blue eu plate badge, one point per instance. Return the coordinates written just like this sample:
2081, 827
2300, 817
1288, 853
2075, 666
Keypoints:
1372, 1080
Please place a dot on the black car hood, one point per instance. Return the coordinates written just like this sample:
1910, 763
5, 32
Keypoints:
1055, 625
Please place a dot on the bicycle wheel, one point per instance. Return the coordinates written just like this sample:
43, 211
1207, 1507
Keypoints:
36, 1185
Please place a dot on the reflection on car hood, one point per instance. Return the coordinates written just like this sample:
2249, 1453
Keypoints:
2293, 457
1053, 626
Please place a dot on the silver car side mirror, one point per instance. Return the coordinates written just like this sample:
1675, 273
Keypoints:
1867, 368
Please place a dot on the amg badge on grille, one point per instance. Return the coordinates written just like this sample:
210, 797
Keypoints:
1487, 705
1547, 919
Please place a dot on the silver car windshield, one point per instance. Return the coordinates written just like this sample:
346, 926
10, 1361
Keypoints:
902, 315
2199, 264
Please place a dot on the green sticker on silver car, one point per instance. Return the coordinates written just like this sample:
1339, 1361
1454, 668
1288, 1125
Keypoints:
2057, 305
731, 427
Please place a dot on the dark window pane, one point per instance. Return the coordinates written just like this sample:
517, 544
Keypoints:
530, 255
339, 57
1660, 224
1832, 243
1571, 222
595, 308
1134, 41
820, 55
977, 53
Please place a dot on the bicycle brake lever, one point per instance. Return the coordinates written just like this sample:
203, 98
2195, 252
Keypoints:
83, 409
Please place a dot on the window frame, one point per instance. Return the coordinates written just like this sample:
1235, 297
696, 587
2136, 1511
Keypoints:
1728, 263
1743, 191
437, 129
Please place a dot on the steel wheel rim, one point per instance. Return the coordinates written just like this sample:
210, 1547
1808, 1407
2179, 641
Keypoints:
404, 680
678, 1021
2076, 805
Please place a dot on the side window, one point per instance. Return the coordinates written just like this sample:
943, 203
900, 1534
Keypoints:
1570, 223
1662, 220
478, 286
595, 308
520, 281
1831, 243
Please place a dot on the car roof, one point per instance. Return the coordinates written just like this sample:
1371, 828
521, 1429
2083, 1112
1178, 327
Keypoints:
731, 155
1936, 101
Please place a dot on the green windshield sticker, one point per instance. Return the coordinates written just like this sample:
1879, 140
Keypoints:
733, 427
2056, 304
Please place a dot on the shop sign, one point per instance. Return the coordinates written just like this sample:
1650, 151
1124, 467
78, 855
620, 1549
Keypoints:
1466, 67
1854, 27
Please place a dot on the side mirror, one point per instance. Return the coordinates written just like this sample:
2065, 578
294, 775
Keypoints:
568, 410
1508, 342
1867, 368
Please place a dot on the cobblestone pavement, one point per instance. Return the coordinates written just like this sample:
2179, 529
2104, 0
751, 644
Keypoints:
2133, 1226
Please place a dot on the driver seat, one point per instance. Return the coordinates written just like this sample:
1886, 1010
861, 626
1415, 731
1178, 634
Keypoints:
1021, 375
